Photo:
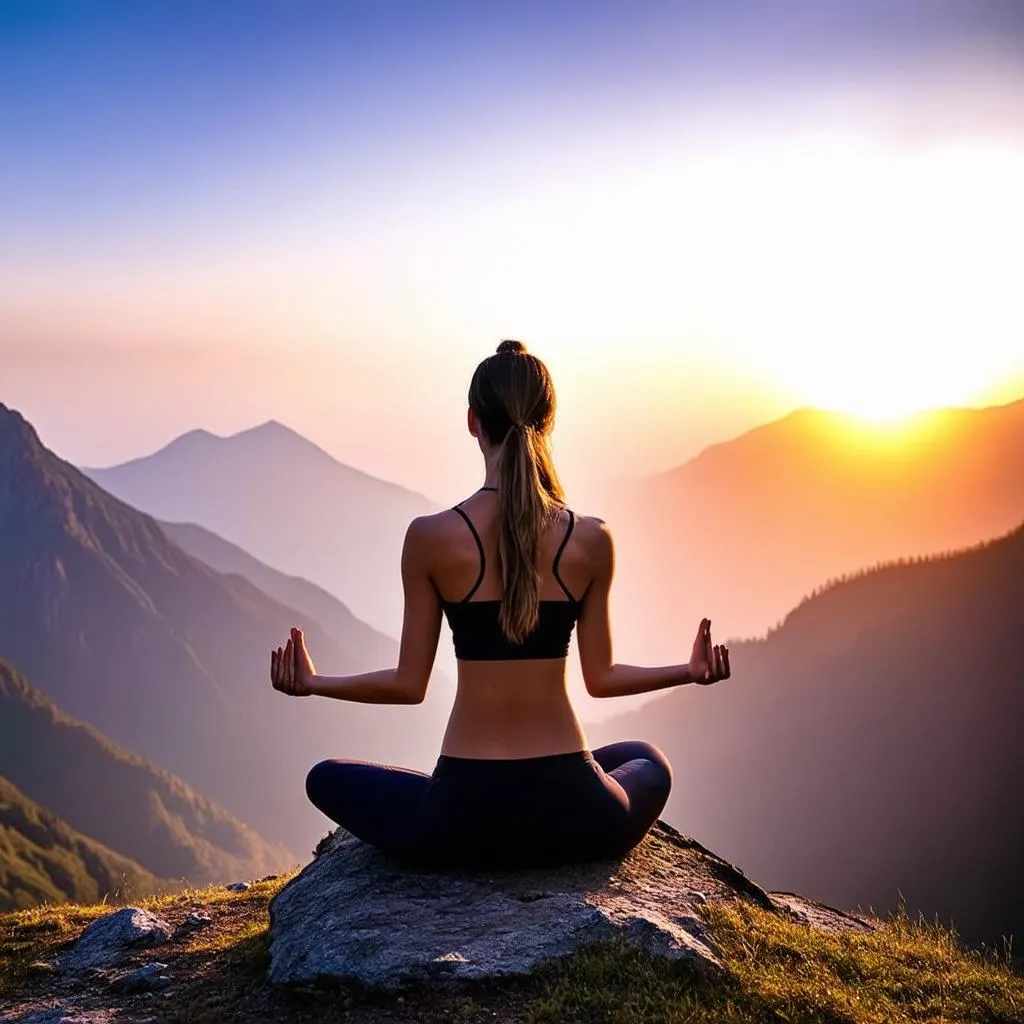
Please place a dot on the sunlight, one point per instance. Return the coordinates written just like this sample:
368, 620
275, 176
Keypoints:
838, 272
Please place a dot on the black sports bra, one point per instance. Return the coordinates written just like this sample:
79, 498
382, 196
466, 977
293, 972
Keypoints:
478, 635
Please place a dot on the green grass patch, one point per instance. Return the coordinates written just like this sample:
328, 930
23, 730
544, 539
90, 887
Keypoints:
39, 933
776, 972
780, 971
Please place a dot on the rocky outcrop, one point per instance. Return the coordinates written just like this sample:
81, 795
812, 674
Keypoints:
108, 939
354, 913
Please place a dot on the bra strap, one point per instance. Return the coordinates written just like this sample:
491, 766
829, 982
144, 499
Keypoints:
479, 547
558, 556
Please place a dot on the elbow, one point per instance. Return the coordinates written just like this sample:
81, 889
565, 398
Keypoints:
596, 684
410, 691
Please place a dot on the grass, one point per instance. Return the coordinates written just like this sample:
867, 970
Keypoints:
780, 971
776, 971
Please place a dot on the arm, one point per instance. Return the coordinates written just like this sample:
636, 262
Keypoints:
601, 676
421, 627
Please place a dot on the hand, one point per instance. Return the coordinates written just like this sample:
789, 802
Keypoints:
708, 663
291, 668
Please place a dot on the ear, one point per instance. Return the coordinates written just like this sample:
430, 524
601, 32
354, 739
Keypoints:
472, 423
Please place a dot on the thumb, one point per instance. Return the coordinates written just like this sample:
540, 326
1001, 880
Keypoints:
298, 638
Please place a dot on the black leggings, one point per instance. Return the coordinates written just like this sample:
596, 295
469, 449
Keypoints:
588, 805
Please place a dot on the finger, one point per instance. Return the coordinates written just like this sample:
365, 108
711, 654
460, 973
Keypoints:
719, 665
273, 667
725, 663
276, 666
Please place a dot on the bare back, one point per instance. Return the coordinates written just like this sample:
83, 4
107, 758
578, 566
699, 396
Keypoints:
520, 708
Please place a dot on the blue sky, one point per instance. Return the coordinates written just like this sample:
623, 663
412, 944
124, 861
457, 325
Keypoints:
143, 112
391, 187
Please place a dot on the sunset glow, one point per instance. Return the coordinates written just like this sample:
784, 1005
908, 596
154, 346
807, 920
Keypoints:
700, 224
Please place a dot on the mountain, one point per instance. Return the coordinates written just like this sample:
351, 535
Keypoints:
43, 860
288, 503
297, 593
124, 630
741, 532
870, 745
122, 800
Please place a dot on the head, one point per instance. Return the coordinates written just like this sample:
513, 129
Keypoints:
512, 412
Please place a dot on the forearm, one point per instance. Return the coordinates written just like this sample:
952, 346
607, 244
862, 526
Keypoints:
627, 680
385, 686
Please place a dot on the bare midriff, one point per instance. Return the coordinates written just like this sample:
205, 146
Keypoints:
512, 709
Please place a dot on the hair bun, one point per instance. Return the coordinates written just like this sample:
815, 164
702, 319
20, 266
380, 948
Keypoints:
512, 346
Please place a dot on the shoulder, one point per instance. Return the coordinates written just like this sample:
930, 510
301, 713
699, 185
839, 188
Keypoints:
438, 528
594, 536
428, 527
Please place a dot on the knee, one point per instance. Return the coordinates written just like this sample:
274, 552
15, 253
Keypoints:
321, 780
662, 773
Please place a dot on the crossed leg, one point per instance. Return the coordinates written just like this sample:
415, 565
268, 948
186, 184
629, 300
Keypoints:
379, 804
644, 775
383, 805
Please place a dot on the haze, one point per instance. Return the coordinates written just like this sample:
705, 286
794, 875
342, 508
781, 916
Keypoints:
700, 218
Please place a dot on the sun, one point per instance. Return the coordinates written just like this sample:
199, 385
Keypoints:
877, 396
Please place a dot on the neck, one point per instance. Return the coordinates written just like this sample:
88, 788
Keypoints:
491, 468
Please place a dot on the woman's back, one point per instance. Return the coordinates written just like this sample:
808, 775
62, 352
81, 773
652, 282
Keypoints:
509, 706
515, 572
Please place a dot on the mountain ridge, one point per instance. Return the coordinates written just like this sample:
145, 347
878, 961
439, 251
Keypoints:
160, 822
273, 430
43, 859
868, 745
291, 505
295, 591
747, 527
125, 630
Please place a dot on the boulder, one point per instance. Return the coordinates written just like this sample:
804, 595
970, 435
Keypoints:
109, 938
354, 913
195, 922
147, 978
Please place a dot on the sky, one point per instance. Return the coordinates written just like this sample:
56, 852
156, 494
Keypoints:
700, 215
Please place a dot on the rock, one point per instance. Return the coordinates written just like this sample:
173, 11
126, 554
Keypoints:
42, 967
355, 913
109, 938
193, 923
147, 978
238, 886
817, 915
66, 1015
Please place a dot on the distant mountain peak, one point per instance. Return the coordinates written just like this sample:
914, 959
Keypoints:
16, 433
199, 434
10, 417
271, 430
269, 427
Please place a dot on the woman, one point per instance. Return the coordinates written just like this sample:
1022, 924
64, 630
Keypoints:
514, 571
